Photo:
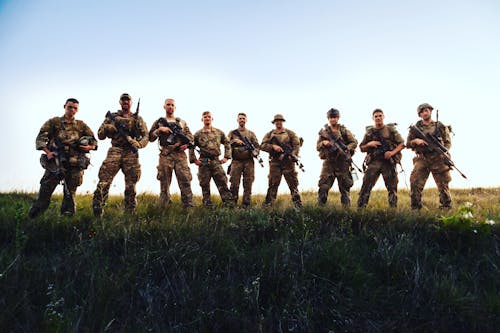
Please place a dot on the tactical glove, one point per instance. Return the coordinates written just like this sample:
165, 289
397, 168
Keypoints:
133, 142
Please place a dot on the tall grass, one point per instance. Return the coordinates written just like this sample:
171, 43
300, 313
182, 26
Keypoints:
317, 269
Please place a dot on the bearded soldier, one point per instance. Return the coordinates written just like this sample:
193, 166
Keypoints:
242, 164
332, 140
65, 141
128, 133
283, 146
429, 161
209, 139
174, 138
383, 143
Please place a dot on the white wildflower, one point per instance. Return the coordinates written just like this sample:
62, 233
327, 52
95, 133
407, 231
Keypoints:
468, 215
490, 222
468, 204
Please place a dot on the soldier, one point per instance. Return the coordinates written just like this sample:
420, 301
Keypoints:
209, 139
65, 142
429, 161
128, 133
174, 138
280, 163
336, 163
242, 160
383, 143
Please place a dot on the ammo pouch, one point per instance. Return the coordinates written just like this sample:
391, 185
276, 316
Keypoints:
82, 161
47, 164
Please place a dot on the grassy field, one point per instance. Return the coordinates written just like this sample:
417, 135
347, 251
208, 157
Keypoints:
318, 269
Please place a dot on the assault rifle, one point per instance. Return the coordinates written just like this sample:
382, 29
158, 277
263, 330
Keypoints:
435, 145
338, 146
379, 152
248, 145
121, 128
287, 152
176, 133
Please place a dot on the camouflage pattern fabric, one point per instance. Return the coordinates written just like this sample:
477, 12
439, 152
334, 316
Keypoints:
172, 159
68, 133
121, 156
377, 165
335, 165
279, 168
209, 142
242, 166
430, 162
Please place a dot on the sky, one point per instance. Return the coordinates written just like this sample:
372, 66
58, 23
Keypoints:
297, 58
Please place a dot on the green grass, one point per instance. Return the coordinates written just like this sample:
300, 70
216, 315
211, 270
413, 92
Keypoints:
270, 270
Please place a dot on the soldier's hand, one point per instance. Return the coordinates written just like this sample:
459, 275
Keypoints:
419, 142
87, 148
50, 155
110, 128
198, 162
277, 149
326, 143
388, 154
374, 144
164, 129
224, 160
238, 142
133, 142
183, 147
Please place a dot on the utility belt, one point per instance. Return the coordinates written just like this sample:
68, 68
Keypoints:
208, 160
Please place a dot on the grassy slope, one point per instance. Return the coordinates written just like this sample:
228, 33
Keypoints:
317, 269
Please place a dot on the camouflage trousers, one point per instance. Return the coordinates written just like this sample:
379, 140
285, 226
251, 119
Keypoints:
72, 178
239, 169
174, 161
213, 169
128, 162
277, 169
331, 171
372, 173
422, 167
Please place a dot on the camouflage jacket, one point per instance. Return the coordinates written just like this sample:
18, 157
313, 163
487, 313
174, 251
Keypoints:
153, 133
345, 136
239, 152
209, 142
390, 139
437, 128
67, 133
285, 137
135, 127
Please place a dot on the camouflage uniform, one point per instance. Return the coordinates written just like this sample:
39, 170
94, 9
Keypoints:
335, 165
209, 142
280, 165
171, 158
242, 165
74, 161
120, 156
430, 162
377, 164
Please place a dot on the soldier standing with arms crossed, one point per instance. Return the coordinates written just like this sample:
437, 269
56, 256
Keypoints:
172, 154
281, 163
65, 141
242, 162
128, 133
427, 161
209, 139
336, 162
383, 143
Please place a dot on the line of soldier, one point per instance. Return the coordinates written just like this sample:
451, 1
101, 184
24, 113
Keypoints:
65, 142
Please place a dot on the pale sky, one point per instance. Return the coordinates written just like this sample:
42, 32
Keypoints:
298, 58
